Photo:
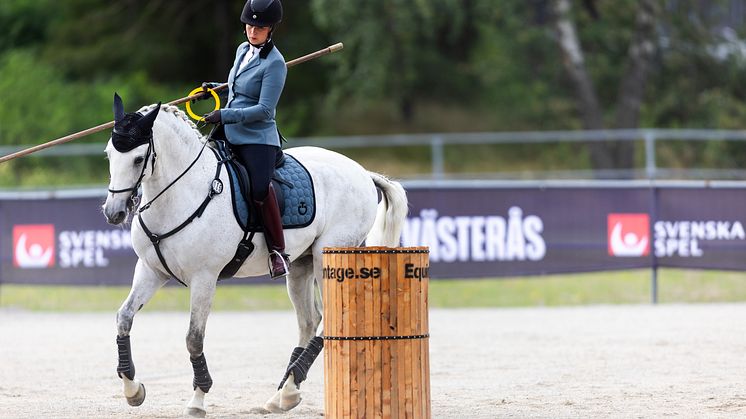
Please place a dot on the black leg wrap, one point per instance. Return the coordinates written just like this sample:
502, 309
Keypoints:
202, 377
300, 366
294, 356
125, 366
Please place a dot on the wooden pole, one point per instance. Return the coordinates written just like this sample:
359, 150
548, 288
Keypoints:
291, 63
109, 125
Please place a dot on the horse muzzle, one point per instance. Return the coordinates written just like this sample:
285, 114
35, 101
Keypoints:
115, 210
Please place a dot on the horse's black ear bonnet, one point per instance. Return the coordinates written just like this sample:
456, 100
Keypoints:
133, 129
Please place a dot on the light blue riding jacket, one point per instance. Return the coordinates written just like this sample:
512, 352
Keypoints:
253, 93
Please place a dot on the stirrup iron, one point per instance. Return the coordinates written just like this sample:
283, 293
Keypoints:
284, 258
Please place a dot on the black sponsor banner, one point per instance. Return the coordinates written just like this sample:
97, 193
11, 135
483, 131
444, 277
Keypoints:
66, 241
500, 230
62, 241
495, 230
484, 232
700, 228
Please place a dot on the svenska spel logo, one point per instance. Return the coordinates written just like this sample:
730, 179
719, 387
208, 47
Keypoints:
628, 235
33, 246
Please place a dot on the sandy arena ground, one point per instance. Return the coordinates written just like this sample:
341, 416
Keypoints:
684, 361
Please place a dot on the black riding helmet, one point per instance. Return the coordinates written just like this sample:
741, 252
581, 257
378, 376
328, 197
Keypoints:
262, 13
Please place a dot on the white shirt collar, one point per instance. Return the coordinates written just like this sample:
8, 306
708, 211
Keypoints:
250, 54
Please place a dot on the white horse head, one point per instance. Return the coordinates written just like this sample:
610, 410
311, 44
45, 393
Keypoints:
183, 229
137, 140
130, 150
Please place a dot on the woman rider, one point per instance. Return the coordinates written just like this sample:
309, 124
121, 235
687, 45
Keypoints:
255, 83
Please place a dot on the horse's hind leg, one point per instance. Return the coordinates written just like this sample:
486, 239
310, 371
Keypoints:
202, 293
144, 284
301, 291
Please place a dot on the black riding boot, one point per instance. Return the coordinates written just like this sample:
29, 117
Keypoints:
272, 220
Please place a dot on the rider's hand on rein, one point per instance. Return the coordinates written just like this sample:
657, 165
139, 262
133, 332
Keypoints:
213, 117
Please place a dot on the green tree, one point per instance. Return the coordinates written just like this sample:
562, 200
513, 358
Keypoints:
24, 23
639, 32
514, 64
399, 51
701, 85
182, 44
414, 66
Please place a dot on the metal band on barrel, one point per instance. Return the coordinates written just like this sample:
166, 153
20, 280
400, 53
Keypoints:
426, 335
348, 252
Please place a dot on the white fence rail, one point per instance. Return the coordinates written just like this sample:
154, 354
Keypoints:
437, 142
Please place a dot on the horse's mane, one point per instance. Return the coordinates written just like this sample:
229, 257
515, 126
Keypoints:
184, 127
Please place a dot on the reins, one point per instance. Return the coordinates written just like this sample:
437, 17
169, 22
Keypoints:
146, 206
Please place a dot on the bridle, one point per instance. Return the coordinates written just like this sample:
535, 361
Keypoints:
134, 199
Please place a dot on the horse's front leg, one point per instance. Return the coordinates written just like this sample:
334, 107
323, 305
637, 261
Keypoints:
300, 285
145, 283
202, 293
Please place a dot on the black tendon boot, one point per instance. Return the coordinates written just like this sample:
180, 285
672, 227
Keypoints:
270, 215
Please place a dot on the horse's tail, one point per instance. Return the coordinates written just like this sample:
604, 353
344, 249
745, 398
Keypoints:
391, 213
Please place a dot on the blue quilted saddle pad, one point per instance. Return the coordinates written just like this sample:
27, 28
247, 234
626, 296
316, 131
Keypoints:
293, 187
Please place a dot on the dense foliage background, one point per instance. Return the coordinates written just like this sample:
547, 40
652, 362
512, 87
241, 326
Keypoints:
408, 66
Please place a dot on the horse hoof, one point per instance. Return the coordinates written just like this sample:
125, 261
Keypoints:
289, 402
273, 408
273, 404
138, 398
283, 401
195, 412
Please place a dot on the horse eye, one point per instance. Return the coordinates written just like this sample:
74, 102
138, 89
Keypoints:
139, 160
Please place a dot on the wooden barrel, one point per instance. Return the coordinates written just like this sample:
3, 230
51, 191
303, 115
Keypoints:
376, 349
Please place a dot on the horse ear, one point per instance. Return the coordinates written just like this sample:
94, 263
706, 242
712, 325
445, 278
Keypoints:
146, 122
118, 108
